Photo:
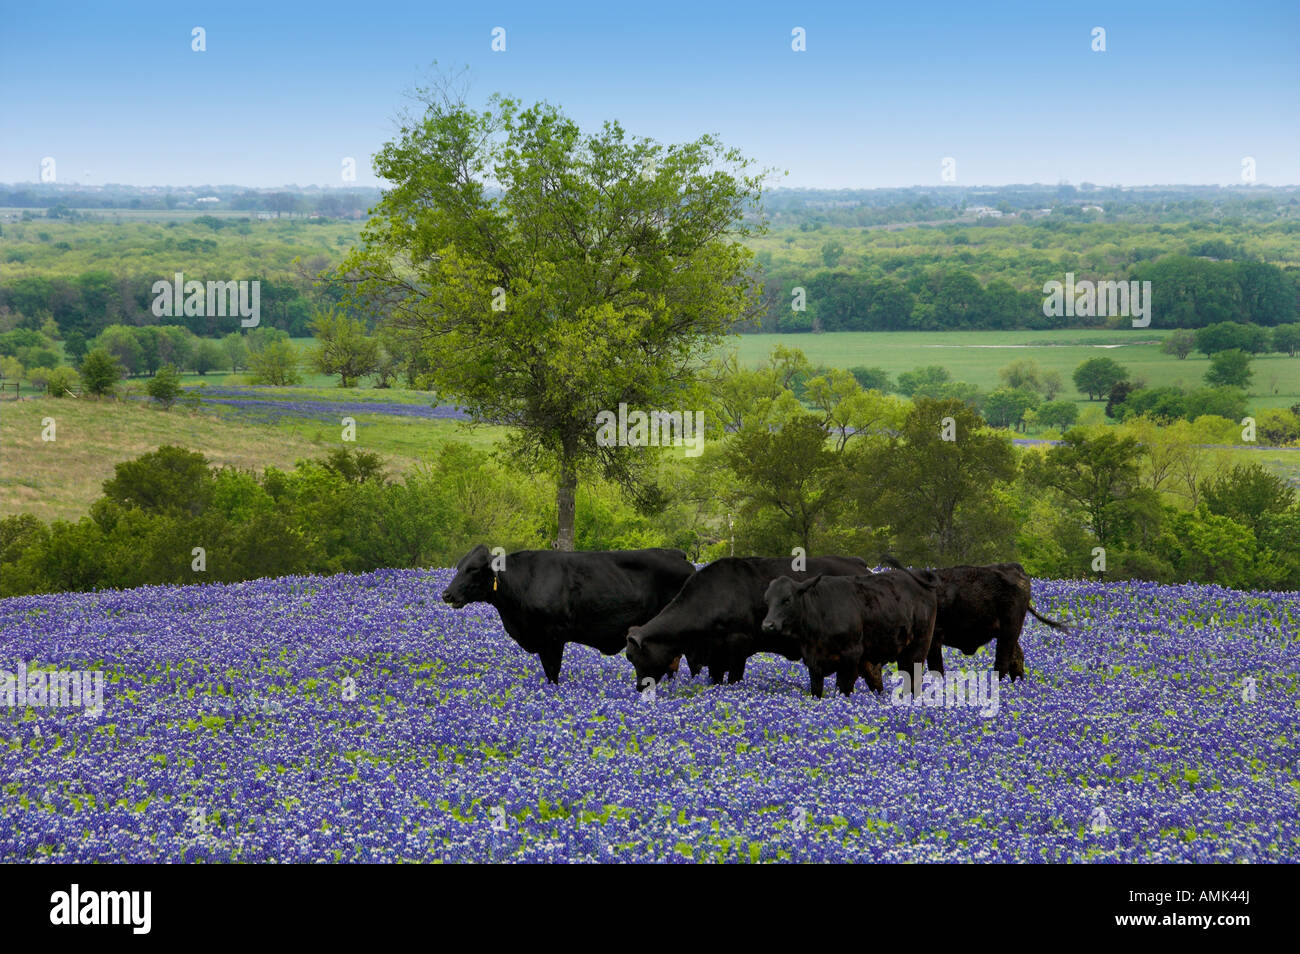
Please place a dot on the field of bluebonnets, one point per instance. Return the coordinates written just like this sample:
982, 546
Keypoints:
356, 718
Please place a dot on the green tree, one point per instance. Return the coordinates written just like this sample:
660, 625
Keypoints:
1247, 494
170, 480
74, 346
1229, 369
1006, 407
1023, 373
791, 471
943, 501
343, 348
59, 382
872, 379
926, 382
208, 355
832, 252
99, 372
1096, 376
1286, 339
1058, 414
165, 386
554, 275
1180, 343
235, 350
1099, 475
275, 363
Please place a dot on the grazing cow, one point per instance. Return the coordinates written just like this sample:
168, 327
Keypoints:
547, 598
845, 624
978, 604
717, 618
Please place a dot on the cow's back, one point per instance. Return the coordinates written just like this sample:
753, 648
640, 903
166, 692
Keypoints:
592, 597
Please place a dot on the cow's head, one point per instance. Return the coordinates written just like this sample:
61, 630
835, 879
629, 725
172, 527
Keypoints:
650, 658
783, 609
473, 580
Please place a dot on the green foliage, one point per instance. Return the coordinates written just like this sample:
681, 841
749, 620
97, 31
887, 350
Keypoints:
1286, 339
940, 501
1228, 335
61, 382
168, 480
99, 372
1006, 407
275, 363
1096, 376
606, 267
1061, 415
1247, 494
343, 347
871, 379
1180, 343
235, 351
1230, 368
165, 386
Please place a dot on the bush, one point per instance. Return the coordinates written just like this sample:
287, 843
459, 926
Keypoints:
872, 379
165, 386
1229, 368
99, 372
62, 381
275, 363
1060, 415
168, 480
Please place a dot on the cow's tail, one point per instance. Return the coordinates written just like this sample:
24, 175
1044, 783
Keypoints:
1055, 624
925, 577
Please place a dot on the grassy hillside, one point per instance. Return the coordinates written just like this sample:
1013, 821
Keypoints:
60, 479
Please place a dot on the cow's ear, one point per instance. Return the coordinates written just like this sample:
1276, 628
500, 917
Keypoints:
809, 584
633, 640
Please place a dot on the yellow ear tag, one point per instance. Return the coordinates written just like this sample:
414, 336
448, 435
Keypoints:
494, 583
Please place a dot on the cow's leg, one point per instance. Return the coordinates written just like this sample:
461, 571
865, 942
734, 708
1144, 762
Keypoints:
846, 676
717, 670
736, 669
1006, 654
935, 658
872, 673
816, 679
1018, 663
551, 657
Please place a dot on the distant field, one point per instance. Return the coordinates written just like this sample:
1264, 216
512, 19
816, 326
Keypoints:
976, 356
60, 479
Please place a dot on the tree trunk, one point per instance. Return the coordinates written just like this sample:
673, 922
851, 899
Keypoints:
566, 504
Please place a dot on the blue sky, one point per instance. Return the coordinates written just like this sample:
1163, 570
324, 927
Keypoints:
1013, 91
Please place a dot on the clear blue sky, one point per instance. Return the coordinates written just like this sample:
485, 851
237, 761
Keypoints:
1012, 91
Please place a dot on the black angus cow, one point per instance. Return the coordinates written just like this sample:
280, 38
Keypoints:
850, 625
717, 618
978, 604
547, 598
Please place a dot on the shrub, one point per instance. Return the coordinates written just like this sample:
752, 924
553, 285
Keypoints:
99, 372
165, 386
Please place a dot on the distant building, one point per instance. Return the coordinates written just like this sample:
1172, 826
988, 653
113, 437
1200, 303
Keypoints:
206, 200
1093, 208
985, 211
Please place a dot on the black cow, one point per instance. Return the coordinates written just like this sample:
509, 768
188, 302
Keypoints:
547, 598
849, 624
978, 604
717, 618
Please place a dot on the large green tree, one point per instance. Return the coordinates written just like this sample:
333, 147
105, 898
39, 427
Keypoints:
552, 274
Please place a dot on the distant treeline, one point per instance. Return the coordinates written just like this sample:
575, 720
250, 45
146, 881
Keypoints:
87, 304
1187, 292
